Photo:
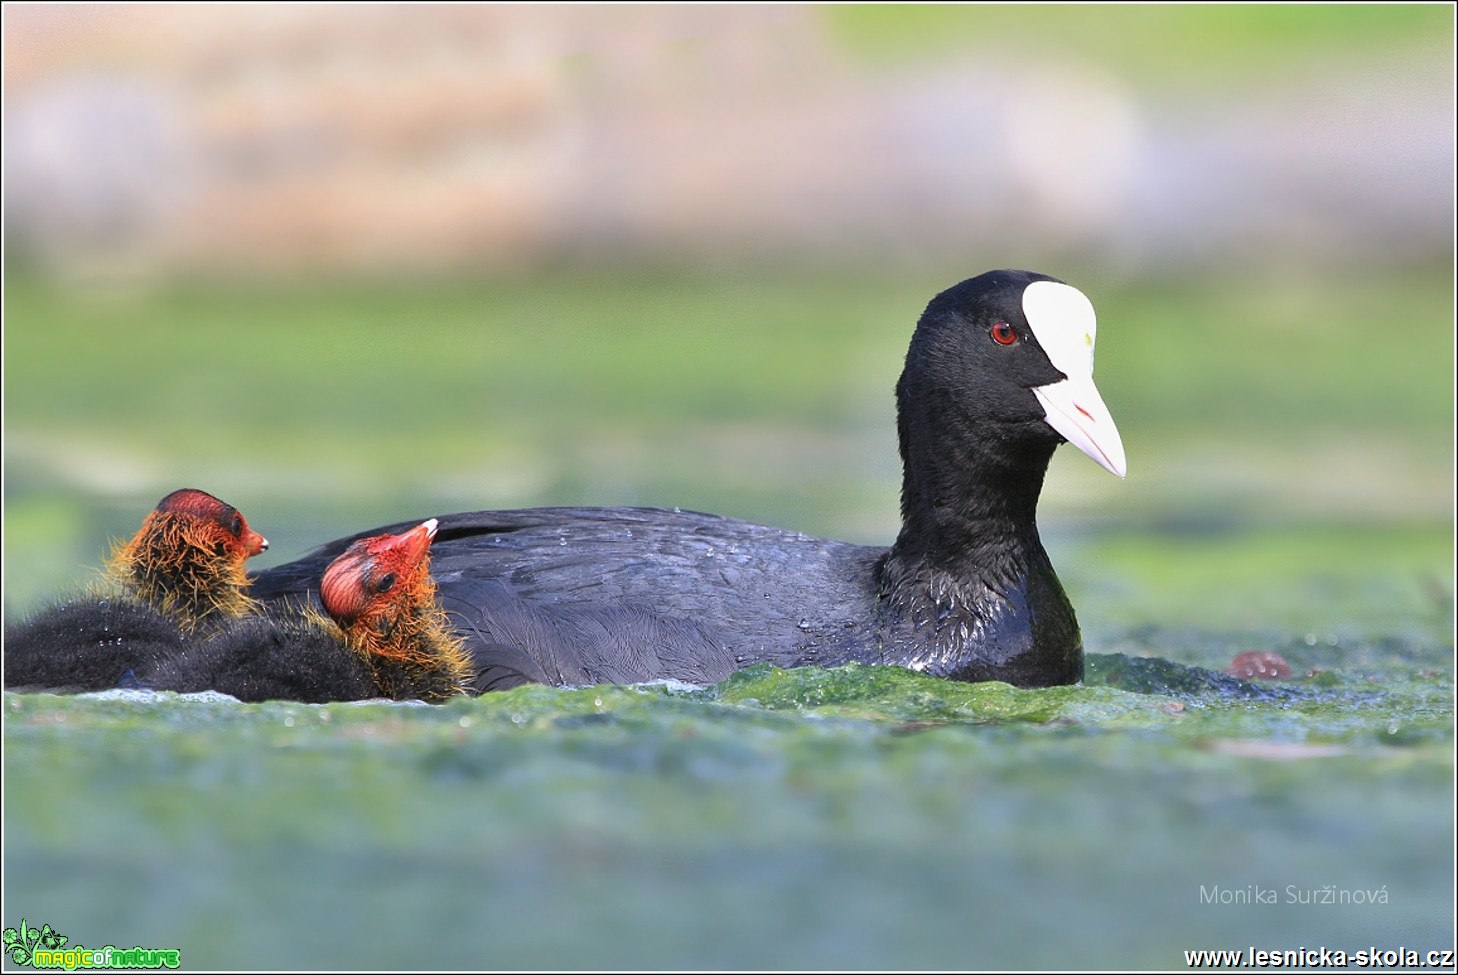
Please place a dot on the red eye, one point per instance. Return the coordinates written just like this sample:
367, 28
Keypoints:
1004, 334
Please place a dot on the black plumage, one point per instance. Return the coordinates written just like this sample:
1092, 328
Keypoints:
282, 654
88, 643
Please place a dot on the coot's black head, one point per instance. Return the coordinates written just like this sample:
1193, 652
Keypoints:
1000, 371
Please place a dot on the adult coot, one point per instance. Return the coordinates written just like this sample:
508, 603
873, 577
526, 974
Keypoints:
999, 373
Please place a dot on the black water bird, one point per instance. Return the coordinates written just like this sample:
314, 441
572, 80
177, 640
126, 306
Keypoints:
999, 373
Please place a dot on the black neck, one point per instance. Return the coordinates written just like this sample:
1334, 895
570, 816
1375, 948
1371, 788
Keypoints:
972, 516
969, 570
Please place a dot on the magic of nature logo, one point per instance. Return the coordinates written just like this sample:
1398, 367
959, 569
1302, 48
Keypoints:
44, 947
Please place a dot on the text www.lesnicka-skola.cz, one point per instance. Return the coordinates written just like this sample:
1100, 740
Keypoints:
1372, 957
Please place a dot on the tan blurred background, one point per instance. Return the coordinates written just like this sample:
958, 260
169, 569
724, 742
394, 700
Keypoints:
298, 138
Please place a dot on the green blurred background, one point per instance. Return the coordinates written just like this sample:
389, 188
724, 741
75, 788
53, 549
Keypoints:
346, 267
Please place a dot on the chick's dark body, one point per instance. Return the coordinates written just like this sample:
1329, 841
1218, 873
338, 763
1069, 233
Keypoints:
88, 643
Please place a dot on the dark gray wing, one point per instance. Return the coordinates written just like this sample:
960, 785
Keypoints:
587, 595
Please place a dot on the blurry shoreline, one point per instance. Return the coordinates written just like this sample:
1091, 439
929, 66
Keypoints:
152, 141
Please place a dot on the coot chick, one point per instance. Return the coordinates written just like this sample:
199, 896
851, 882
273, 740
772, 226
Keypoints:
179, 577
388, 637
188, 560
999, 373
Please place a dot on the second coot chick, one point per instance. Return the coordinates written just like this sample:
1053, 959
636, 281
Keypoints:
387, 637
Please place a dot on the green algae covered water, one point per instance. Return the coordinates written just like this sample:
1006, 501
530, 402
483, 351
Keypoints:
1284, 502
852, 817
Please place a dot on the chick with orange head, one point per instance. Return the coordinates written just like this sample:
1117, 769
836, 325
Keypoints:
385, 636
188, 560
381, 594
179, 578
